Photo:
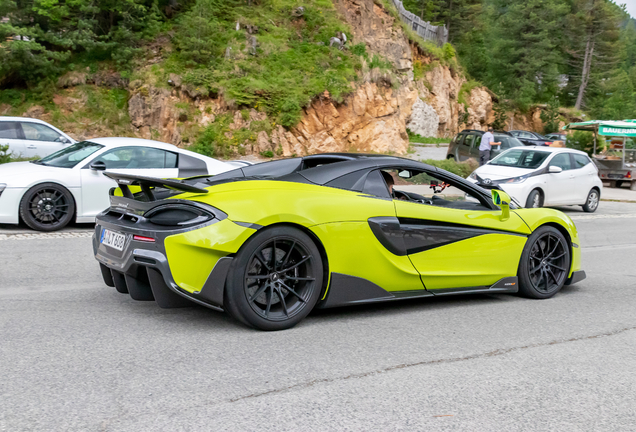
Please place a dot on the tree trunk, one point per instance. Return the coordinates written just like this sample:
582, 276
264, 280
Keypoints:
587, 66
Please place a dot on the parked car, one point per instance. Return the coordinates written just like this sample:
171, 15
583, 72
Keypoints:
29, 137
544, 176
69, 185
321, 234
466, 144
531, 138
557, 137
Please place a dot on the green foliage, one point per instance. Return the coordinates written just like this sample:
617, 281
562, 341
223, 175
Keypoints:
464, 91
5, 156
267, 154
501, 116
41, 36
582, 140
220, 140
550, 116
359, 49
415, 138
462, 169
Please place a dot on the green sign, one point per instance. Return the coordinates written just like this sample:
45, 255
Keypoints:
617, 131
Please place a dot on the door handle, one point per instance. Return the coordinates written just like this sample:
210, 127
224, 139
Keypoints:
32, 147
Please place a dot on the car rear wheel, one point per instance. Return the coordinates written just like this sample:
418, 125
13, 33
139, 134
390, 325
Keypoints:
275, 279
545, 264
451, 157
47, 207
591, 204
535, 200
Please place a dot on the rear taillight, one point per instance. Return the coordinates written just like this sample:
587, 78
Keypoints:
143, 239
628, 175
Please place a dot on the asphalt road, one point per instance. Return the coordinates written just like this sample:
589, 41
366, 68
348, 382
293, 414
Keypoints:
76, 355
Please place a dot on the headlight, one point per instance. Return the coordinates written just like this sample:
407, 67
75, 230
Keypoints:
473, 176
519, 179
178, 215
3, 186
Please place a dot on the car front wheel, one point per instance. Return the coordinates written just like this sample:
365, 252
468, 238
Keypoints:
545, 264
591, 204
275, 279
535, 200
47, 207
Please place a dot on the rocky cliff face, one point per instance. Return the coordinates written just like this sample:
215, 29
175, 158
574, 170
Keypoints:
373, 118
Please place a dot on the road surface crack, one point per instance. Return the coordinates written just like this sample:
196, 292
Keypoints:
494, 353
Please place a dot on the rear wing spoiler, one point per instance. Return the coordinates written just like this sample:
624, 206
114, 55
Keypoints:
124, 181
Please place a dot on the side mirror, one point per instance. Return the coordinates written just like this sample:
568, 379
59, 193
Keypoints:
555, 169
98, 166
502, 199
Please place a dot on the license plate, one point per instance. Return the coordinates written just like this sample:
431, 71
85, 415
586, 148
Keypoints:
113, 239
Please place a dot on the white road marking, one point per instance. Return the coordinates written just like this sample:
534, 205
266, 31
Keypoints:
609, 216
46, 236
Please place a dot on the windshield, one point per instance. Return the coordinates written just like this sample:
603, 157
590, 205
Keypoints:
520, 159
71, 155
508, 141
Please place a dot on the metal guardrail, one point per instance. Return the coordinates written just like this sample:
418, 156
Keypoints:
437, 34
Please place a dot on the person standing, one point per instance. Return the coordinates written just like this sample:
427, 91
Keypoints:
487, 141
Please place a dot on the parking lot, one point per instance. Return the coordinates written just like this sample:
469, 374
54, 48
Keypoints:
76, 355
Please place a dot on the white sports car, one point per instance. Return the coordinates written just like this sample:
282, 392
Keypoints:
544, 176
69, 185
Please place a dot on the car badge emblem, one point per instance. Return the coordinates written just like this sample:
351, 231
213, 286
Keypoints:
487, 181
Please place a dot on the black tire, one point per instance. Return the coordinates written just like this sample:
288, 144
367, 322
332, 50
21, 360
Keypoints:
47, 207
592, 201
287, 282
535, 199
619, 183
451, 157
545, 264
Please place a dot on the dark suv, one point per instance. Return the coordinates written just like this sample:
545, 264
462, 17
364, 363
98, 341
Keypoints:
466, 144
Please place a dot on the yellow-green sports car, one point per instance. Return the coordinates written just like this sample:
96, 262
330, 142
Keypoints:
270, 242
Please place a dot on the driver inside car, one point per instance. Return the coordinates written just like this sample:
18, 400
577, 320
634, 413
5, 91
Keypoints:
388, 178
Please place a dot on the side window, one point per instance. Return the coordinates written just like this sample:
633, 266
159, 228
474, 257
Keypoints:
427, 189
526, 135
469, 140
376, 185
580, 161
562, 160
38, 132
9, 130
138, 158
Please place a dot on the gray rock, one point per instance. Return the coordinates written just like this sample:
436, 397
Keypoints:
424, 120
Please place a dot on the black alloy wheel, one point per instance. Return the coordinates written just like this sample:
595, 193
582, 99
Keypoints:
47, 207
275, 279
545, 264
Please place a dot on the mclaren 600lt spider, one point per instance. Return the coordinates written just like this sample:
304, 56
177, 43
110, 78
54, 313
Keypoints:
270, 242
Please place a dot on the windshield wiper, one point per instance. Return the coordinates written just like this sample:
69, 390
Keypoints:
38, 161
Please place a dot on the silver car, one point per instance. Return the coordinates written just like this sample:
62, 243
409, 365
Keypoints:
27, 137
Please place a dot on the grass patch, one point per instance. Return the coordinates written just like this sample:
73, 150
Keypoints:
418, 139
464, 91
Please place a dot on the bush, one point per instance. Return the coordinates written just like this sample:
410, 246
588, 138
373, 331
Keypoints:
582, 140
5, 156
462, 169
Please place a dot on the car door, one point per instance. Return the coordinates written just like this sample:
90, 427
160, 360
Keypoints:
144, 161
560, 187
459, 242
11, 135
41, 140
585, 175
